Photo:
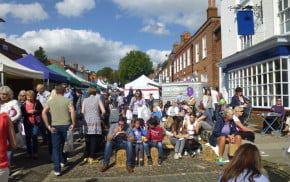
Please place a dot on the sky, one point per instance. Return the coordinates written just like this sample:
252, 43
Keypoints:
98, 33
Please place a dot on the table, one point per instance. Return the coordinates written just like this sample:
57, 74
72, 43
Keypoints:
270, 119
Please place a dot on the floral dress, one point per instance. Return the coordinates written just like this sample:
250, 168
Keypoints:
92, 115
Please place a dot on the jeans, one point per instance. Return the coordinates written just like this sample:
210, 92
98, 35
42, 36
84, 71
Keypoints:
58, 139
210, 110
139, 147
10, 157
118, 145
179, 144
149, 144
31, 132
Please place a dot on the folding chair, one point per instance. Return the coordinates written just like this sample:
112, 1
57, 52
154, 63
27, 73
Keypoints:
247, 114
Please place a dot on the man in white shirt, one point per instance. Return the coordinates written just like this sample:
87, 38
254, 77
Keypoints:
42, 96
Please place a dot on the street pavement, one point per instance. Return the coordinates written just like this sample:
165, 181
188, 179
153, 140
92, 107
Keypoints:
275, 161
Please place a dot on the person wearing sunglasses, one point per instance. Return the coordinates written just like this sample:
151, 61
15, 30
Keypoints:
136, 102
245, 132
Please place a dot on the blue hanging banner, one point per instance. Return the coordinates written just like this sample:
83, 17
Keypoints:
245, 23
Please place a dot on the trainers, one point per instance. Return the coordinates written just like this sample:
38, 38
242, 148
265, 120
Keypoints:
185, 153
149, 161
179, 155
159, 161
220, 161
56, 173
176, 156
62, 165
193, 154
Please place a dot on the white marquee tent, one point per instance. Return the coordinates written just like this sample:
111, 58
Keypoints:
146, 85
11, 69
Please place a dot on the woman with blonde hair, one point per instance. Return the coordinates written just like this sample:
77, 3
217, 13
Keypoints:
245, 166
225, 131
11, 107
245, 132
31, 111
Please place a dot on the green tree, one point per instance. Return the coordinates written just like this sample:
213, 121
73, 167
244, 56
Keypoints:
106, 72
41, 56
133, 65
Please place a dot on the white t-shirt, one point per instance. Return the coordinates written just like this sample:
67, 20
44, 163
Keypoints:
243, 178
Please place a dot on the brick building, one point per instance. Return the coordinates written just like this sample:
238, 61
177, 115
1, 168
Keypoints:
196, 54
11, 51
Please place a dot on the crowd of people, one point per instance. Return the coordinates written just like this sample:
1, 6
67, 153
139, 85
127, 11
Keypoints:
142, 124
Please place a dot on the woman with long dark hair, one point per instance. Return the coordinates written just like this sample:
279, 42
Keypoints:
136, 102
245, 166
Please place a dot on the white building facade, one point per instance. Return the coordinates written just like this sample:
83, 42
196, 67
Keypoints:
257, 61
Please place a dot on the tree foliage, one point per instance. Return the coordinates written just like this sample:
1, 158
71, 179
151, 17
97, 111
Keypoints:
133, 65
106, 72
41, 56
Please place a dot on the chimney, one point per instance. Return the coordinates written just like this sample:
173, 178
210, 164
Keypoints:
212, 9
184, 36
62, 60
175, 47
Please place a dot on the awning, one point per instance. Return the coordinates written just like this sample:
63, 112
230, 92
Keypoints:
33, 63
59, 70
84, 82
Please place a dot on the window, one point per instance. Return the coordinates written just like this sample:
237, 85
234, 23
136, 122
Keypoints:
174, 67
170, 72
263, 83
284, 14
188, 57
246, 41
204, 50
196, 52
204, 77
180, 63
184, 60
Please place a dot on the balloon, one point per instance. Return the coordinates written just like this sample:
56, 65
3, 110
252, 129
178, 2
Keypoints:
222, 101
189, 91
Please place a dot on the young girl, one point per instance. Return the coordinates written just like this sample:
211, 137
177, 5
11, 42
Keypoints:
179, 135
129, 114
156, 113
139, 135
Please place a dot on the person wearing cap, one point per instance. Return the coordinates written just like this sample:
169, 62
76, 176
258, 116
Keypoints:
120, 136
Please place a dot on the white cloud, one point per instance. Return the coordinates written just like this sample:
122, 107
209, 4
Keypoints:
157, 28
24, 12
188, 13
85, 47
157, 56
73, 8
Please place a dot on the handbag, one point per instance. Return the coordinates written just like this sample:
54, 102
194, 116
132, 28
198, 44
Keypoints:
37, 118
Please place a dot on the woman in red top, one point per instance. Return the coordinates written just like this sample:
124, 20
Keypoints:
31, 111
7, 136
154, 139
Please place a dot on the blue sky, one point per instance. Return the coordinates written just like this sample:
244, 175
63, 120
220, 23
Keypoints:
97, 33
